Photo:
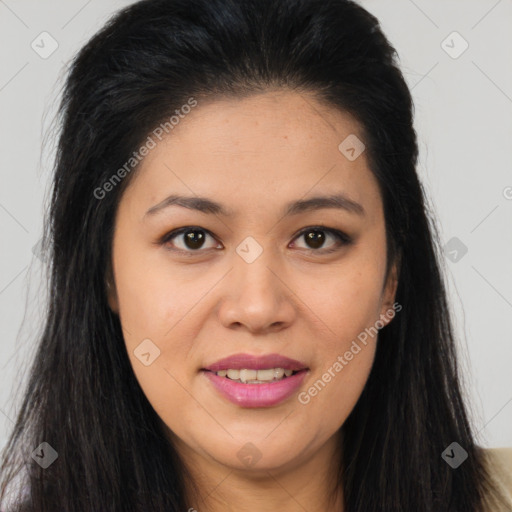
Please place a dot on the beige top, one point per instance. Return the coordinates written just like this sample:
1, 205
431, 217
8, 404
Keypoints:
500, 465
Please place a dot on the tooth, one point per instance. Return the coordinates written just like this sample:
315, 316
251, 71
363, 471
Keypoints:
246, 375
267, 375
278, 373
233, 374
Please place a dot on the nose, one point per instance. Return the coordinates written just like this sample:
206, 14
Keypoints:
257, 296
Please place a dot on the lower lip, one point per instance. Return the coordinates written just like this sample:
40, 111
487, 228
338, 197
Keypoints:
256, 395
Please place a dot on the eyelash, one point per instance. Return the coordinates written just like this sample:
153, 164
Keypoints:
342, 238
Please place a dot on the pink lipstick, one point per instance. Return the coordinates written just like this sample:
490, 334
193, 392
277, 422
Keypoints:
237, 378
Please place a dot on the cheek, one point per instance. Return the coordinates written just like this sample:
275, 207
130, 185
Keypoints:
349, 307
348, 302
344, 355
153, 308
152, 299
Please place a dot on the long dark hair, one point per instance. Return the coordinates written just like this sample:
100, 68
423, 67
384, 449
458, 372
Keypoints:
82, 396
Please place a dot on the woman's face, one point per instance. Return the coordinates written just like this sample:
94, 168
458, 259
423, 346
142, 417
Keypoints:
252, 276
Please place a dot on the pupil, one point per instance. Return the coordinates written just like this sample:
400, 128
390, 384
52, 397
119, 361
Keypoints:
316, 238
194, 239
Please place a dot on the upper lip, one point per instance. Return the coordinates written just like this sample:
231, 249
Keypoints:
250, 362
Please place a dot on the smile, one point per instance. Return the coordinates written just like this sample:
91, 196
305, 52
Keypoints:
253, 392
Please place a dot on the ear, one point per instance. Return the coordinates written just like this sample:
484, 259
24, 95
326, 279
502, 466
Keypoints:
387, 312
111, 291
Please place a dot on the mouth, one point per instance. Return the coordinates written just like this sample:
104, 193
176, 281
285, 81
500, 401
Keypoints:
256, 381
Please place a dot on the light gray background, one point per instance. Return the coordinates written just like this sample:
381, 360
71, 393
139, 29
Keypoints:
464, 125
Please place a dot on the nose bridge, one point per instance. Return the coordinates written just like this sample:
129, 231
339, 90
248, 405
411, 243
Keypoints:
252, 267
255, 297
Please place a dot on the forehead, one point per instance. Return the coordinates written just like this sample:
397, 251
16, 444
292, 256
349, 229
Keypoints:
253, 152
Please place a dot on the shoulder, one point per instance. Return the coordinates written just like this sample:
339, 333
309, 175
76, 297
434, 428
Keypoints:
499, 464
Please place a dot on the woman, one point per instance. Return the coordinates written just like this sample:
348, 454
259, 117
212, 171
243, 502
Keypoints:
247, 308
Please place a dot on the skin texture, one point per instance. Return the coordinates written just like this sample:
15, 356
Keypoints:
253, 155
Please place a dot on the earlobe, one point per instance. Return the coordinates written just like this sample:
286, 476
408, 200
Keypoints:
388, 308
112, 297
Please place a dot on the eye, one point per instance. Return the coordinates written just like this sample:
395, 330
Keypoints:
192, 241
315, 237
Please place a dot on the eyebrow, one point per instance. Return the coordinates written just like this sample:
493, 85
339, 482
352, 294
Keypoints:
205, 205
